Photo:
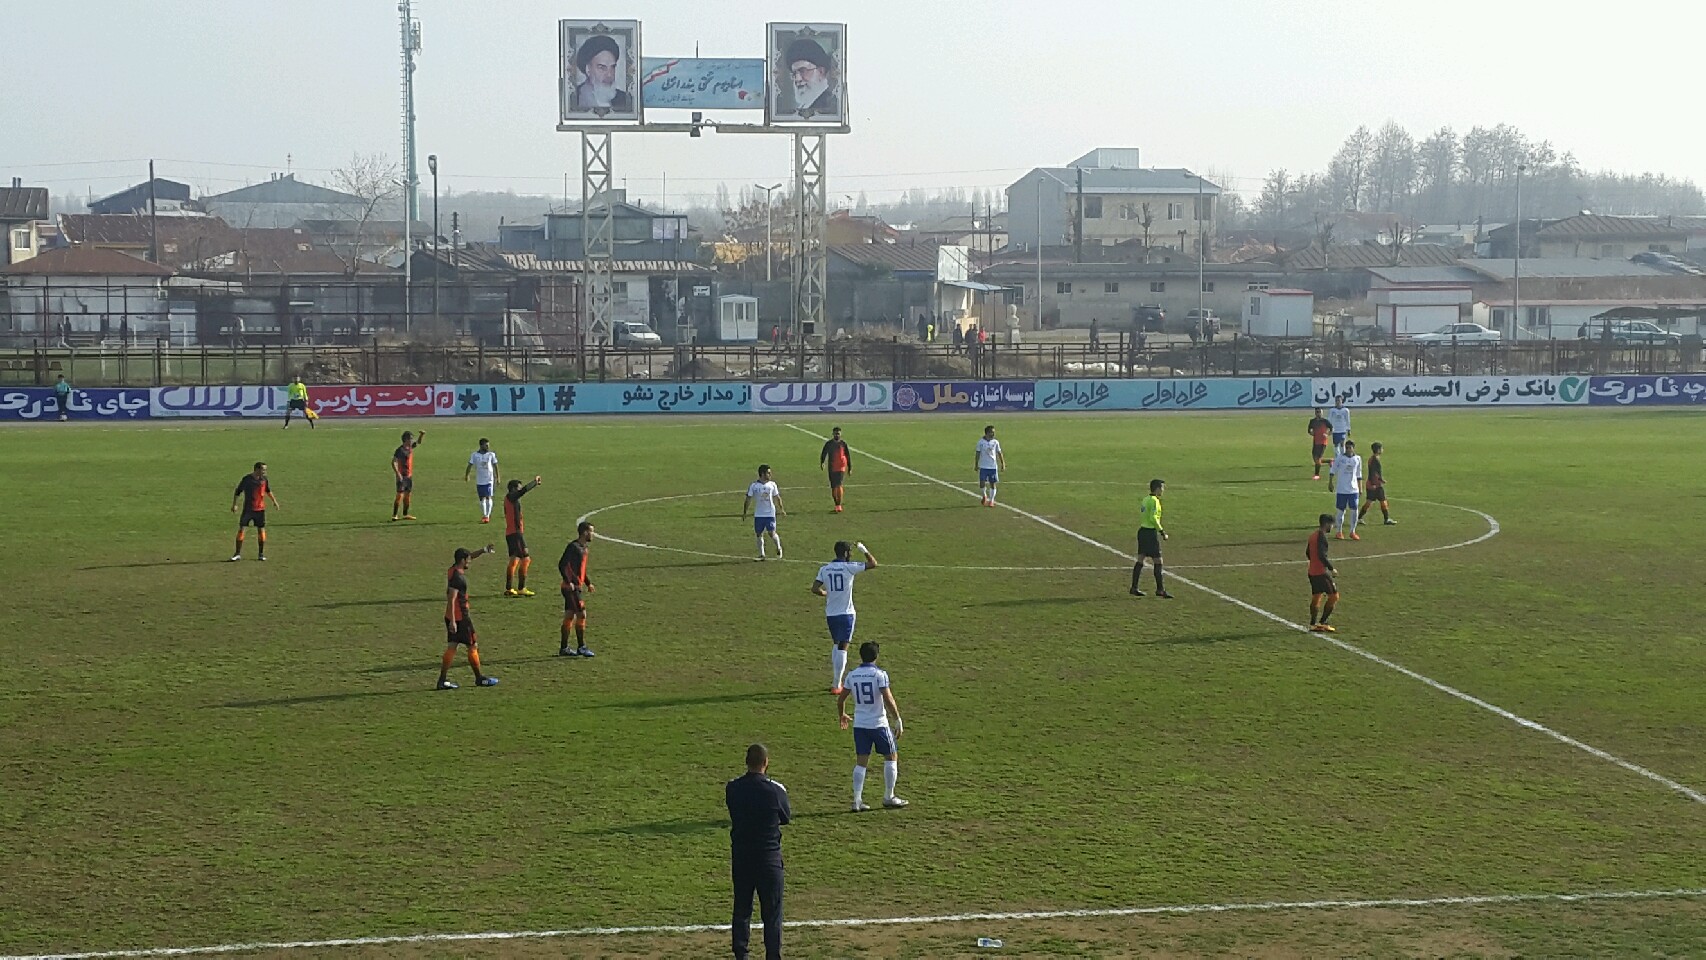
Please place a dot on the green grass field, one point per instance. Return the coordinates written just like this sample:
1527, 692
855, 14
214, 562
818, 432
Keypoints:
198, 752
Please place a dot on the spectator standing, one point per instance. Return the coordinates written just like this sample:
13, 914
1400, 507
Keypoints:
758, 810
1095, 334
62, 395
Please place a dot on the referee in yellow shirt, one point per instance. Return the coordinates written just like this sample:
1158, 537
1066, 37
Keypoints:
297, 399
1149, 536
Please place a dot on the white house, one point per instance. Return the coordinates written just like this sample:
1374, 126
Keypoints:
1410, 300
101, 294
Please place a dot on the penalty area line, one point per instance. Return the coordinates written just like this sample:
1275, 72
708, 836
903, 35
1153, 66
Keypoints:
1185, 909
1348, 647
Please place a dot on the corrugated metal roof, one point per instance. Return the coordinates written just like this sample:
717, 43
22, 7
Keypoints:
1369, 255
894, 256
1594, 225
85, 262
1432, 275
1561, 268
23, 203
285, 189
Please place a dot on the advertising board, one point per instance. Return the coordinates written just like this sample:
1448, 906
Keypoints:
1450, 391
691, 83
598, 70
963, 396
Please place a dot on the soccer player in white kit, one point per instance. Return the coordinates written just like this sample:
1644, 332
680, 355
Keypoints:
483, 464
1339, 419
873, 701
1347, 479
764, 499
990, 462
835, 583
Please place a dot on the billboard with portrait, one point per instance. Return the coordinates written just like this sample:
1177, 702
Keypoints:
808, 72
599, 68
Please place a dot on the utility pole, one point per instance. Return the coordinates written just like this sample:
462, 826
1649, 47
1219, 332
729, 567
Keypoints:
411, 44
1078, 233
153, 220
769, 218
1202, 254
1516, 255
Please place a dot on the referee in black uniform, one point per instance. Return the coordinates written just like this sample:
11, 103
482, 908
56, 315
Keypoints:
758, 807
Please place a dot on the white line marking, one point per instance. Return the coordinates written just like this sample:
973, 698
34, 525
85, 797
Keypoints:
679, 928
1493, 530
1687, 791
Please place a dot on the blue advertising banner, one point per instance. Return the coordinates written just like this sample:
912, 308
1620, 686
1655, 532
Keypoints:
961, 396
864, 396
560, 398
99, 403
1647, 391
702, 84
1450, 391
1215, 393
219, 401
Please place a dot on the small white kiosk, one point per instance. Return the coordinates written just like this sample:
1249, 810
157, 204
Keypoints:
1279, 312
737, 318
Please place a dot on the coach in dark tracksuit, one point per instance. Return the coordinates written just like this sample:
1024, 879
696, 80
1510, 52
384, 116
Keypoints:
758, 807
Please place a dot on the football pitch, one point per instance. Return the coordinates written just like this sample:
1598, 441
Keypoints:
1500, 753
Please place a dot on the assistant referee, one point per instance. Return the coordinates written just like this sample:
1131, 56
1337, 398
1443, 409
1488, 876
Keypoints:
1149, 537
758, 808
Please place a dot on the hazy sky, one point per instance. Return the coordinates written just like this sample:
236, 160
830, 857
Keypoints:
942, 93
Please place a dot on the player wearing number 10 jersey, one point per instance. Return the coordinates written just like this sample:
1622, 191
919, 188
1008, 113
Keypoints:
835, 583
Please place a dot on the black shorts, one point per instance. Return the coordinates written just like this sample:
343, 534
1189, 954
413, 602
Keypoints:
299, 405
253, 518
574, 603
1376, 494
460, 632
517, 545
1319, 449
405, 484
1149, 542
835, 477
1320, 583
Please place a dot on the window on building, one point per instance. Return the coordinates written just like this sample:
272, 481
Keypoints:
1255, 306
20, 239
1157, 286
1498, 318
619, 290
1092, 208
1257, 285
1538, 316
1111, 286
1063, 287
1208, 286
1205, 208
1658, 247
1175, 211
1608, 250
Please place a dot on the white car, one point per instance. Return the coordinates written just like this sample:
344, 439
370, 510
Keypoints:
632, 333
1458, 333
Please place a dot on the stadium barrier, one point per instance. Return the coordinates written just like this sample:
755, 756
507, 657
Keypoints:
857, 396
1647, 391
96, 403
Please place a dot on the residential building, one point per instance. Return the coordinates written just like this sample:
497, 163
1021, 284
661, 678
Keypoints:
1073, 294
168, 196
21, 211
1553, 298
1586, 236
285, 201
982, 233
1118, 200
843, 227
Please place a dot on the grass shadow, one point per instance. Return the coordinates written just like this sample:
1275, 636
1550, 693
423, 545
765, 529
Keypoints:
759, 697
152, 563
670, 828
317, 698
1036, 601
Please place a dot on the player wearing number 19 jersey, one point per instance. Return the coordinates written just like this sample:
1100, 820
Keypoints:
835, 583
873, 701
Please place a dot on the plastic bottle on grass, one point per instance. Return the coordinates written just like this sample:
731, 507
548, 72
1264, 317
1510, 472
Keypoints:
988, 942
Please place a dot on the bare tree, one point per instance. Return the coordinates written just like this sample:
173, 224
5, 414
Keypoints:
1145, 219
375, 182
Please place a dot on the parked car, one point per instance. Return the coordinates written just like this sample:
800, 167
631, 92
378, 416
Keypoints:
1150, 318
633, 333
1626, 333
1458, 333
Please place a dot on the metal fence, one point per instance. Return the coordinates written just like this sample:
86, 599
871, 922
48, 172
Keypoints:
559, 360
